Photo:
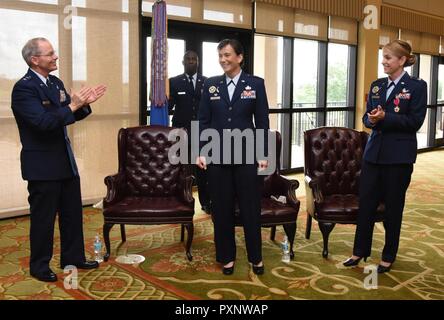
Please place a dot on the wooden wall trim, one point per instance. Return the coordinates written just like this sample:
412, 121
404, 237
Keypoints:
341, 8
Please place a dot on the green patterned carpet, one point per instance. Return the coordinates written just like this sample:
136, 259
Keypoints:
167, 275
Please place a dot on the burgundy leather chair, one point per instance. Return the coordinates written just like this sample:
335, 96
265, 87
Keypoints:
147, 189
333, 159
274, 213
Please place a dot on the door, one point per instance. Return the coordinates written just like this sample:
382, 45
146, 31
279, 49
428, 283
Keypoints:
184, 36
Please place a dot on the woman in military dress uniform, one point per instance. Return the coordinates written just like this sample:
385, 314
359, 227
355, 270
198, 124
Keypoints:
231, 102
396, 108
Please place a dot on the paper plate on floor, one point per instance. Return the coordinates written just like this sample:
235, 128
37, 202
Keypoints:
130, 259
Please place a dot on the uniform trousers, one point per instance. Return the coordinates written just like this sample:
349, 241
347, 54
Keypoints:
387, 183
46, 198
231, 184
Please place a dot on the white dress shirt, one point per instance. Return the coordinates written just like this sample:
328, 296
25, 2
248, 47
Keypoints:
232, 86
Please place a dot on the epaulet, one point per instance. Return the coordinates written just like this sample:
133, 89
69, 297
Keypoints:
26, 78
380, 80
416, 79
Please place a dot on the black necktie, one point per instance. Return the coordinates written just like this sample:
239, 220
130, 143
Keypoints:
392, 84
190, 82
231, 82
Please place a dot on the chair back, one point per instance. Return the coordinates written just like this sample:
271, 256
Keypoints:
333, 155
143, 159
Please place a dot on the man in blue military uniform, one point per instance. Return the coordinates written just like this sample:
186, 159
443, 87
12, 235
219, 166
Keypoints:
185, 94
42, 109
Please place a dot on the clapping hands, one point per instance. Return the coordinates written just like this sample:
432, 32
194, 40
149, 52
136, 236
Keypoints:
96, 93
85, 96
376, 115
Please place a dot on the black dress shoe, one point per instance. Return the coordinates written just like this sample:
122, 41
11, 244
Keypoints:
353, 262
383, 269
85, 265
47, 276
258, 269
228, 270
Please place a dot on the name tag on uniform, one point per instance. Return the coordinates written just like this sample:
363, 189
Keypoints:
248, 94
215, 98
62, 96
181, 93
46, 102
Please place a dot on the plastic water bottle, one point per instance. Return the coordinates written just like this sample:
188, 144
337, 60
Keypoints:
98, 249
285, 245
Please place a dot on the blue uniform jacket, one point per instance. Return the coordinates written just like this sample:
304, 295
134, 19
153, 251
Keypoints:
249, 102
184, 100
41, 114
393, 139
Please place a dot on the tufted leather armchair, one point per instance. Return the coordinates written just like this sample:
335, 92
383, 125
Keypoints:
333, 159
275, 213
147, 189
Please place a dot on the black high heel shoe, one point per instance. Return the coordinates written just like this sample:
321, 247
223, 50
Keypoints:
353, 262
228, 270
384, 269
258, 269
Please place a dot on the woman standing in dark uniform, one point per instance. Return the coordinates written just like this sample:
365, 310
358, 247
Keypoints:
231, 102
396, 108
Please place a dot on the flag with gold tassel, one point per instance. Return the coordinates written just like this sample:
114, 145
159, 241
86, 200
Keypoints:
159, 90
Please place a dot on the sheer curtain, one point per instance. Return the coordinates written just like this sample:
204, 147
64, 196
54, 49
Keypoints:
97, 42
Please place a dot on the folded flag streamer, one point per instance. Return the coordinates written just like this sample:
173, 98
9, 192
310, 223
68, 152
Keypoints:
159, 67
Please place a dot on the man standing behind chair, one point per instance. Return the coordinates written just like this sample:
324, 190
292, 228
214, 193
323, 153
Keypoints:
42, 109
185, 93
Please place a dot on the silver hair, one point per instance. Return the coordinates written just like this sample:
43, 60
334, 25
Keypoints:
31, 48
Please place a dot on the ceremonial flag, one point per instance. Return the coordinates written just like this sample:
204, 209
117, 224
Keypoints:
159, 90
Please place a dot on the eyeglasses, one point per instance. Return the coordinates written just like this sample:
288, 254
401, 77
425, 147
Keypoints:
51, 54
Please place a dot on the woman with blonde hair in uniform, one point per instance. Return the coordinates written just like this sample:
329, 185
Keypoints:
396, 108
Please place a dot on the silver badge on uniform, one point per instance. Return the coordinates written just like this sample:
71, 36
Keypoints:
62, 96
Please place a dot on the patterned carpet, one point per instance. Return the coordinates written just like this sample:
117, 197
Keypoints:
418, 273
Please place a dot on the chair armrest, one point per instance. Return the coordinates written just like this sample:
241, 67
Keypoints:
278, 185
186, 191
115, 189
313, 193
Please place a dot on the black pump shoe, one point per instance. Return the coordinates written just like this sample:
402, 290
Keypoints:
353, 262
228, 270
383, 269
258, 269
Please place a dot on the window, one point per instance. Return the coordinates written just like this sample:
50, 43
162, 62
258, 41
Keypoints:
425, 71
268, 54
305, 73
337, 79
85, 58
440, 98
210, 60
